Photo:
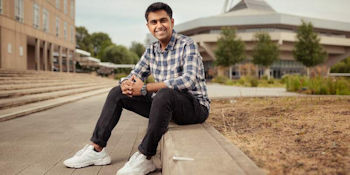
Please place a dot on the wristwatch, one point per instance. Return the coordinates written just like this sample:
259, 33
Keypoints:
144, 90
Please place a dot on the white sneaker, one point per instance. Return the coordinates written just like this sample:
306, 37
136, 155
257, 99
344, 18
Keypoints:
137, 165
87, 156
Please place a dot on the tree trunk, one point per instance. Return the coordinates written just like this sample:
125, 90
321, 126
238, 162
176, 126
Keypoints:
308, 72
230, 72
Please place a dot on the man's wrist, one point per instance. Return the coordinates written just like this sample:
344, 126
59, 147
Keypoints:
144, 90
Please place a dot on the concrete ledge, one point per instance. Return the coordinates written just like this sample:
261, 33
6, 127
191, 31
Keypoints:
210, 151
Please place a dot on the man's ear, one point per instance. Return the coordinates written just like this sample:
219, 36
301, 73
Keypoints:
172, 22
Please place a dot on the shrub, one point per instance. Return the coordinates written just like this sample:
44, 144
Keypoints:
253, 82
150, 79
220, 79
318, 85
120, 75
271, 81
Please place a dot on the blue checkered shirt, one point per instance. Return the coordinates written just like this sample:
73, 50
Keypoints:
179, 66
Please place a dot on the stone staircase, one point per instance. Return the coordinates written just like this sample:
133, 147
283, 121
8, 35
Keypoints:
25, 92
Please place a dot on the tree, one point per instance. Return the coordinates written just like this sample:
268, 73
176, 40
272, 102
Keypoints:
83, 39
100, 41
265, 52
308, 49
137, 48
118, 54
342, 67
230, 50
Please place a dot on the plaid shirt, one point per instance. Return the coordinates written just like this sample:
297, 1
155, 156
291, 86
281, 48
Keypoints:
179, 66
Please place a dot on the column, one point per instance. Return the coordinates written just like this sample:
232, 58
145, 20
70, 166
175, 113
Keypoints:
67, 60
37, 54
74, 62
45, 55
51, 55
60, 58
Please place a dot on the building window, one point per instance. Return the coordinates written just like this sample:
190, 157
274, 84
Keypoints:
36, 15
57, 26
19, 10
72, 34
72, 9
65, 31
58, 4
45, 20
65, 7
0, 6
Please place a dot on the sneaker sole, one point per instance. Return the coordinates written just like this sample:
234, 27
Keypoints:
99, 162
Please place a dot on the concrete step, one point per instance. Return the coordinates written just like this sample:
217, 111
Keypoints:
9, 87
17, 101
11, 82
22, 92
18, 111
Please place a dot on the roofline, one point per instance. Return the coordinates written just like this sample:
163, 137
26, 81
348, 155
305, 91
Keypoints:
276, 19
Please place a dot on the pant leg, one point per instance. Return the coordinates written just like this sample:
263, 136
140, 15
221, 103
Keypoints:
166, 105
112, 110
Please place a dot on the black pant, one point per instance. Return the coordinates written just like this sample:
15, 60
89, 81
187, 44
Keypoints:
166, 105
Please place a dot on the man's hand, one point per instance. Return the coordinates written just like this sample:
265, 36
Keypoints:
127, 87
137, 85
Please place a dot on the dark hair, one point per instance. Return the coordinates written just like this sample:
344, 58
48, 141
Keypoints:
159, 6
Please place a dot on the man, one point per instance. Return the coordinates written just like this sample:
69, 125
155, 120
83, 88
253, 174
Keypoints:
179, 94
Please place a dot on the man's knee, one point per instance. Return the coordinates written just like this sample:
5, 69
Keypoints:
164, 95
116, 91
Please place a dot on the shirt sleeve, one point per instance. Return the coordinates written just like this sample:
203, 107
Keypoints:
191, 64
142, 68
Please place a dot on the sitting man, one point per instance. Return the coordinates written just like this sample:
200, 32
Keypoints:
179, 94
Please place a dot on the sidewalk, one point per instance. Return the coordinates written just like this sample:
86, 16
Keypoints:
222, 91
38, 143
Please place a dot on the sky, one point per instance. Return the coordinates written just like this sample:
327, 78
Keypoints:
124, 20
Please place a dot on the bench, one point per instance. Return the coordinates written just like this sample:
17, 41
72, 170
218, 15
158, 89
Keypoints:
211, 152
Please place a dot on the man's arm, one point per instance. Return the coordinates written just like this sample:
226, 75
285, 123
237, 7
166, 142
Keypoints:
150, 87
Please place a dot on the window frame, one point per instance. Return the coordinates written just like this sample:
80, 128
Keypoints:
58, 21
36, 16
46, 20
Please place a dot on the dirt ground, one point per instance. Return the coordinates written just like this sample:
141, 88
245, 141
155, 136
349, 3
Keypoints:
288, 135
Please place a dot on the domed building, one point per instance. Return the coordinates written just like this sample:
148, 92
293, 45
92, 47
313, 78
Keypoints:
252, 16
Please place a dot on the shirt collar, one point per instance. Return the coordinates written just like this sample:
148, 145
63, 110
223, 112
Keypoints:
170, 45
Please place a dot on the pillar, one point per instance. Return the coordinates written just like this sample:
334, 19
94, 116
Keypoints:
45, 55
60, 58
51, 55
67, 60
37, 54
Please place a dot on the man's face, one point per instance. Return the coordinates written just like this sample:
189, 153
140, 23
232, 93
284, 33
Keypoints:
160, 25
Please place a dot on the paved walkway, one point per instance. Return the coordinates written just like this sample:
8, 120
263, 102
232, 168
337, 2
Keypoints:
38, 143
221, 91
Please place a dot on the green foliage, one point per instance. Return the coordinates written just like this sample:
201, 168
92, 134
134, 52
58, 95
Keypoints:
318, 85
137, 48
150, 79
83, 39
219, 79
265, 51
100, 41
118, 76
118, 54
230, 50
342, 67
254, 82
308, 49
